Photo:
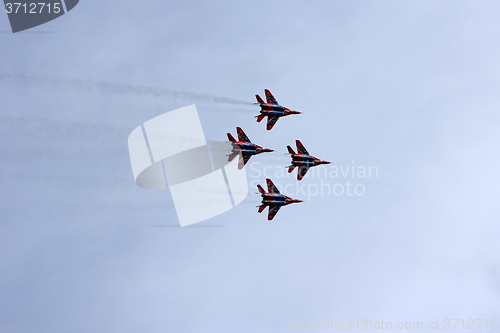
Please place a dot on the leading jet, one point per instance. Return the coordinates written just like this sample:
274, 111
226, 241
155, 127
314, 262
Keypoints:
274, 199
302, 160
244, 147
272, 110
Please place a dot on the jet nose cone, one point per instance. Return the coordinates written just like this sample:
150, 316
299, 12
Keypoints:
326, 162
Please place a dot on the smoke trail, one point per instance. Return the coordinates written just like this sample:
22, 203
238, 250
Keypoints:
115, 88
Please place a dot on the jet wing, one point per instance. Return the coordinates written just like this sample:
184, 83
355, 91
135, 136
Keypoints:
271, 121
273, 210
271, 187
302, 172
270, 98
300, 147
244, 157
242, 136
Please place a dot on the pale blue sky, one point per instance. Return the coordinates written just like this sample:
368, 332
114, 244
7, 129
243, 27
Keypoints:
409, 87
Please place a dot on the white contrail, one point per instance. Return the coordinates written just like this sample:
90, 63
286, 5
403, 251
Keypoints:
108, 87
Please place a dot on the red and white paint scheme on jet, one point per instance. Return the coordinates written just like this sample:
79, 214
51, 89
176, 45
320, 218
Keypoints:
272, 110
302, 160
244, 147
274, 199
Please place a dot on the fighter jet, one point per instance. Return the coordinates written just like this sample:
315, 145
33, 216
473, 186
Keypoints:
302, 160
272, 110
274, 199
245, 147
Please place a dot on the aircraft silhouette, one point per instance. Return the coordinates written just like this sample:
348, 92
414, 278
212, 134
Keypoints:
274, 199
245, 147
302, 160
272, 110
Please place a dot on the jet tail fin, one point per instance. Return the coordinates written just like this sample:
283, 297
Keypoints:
261, 190
260, 117
230, 137
260, 100
290, 168
290, 150
261, 208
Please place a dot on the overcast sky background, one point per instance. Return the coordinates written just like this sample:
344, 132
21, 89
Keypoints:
410, 87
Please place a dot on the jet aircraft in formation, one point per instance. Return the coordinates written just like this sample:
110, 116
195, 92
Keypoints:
272, 110
302, 160
273, 199
246, 149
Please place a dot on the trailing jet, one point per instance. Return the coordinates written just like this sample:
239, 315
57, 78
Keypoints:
274, 199
272, 110
244, 147
302, 160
